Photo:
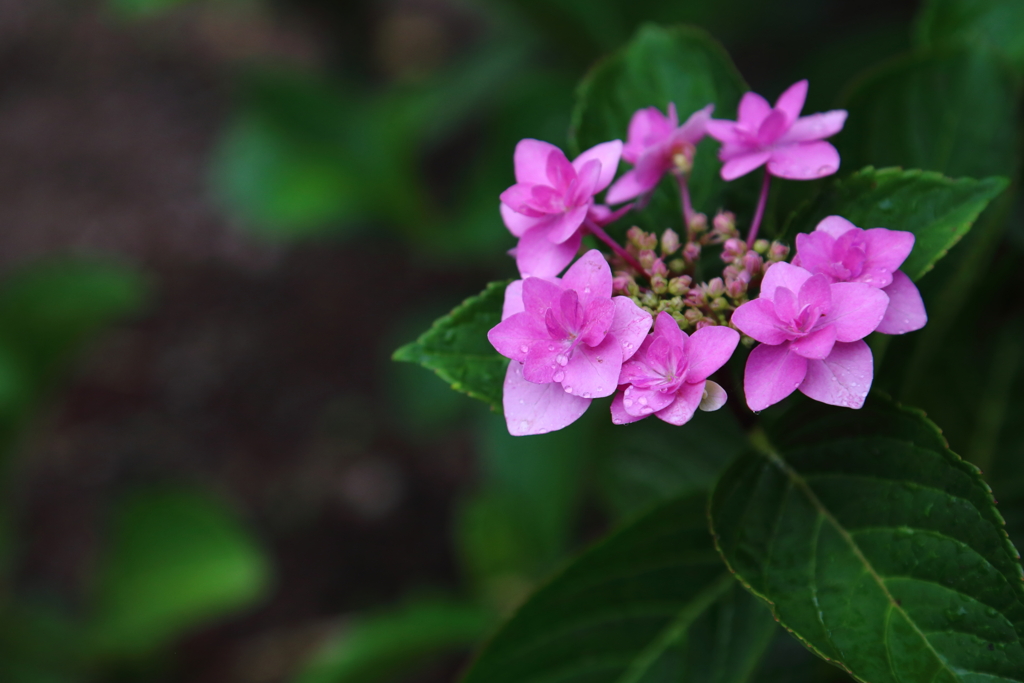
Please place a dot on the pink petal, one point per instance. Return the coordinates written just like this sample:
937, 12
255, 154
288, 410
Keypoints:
816, 292
709, 349
627, 187
804, 161
514, 337
665, 326
857, 309
591, 277
906, 309
566, 225
817, 344
593, 372
585, 183
772, 128
536, 256
757, 319
695, 127
815, 127
787, 306
834, 226
744, 164
842, 379
540, 294
619, 414
784, 275
644, 402
648, 126
531, 161
724, 131
537, 408
814, 252
518, 223
772, 374
519, 198
513, 299
886, 252
541, 364
791, 102
630, 325
753, 110
687, 399
559, 171
714, 397
601, 314
607, 153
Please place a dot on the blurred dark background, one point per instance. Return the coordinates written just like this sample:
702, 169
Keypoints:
280, 193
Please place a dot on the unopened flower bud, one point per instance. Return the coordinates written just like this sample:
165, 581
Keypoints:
778, 252
725, 223
659, 284
679, 285
692, 315
620, 283
715, 287
698, 224
634, 289
659, 267
691, 252
636, 236
704, 322
761, 246
649, 299
735, 288
680, 319
677, 265
733, 249
695, 297
730, 273
752, 262
669, 242
646, 258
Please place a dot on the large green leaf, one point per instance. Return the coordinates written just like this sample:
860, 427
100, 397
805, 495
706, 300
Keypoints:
955, 113
877, 546
456, 347
650, 603
997, 23
938, 210
681, 65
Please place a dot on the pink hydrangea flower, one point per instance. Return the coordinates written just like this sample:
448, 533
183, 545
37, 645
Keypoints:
668, 376
552, 197
792, 145
567, 339
811, 333
653, 142
842, 252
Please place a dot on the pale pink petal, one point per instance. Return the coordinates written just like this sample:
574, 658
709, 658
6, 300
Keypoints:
593, 372
804, 161
906, 309
602, 215
784, 275
543, 362
687, 399
714, 397
531, 161
744, 164
536, 255
513, 299
643, 402
724, 131
787, 305
586, 181
648, 126
665, 326
630, 325
772, 128
772, 374
816, 344
791, 102
886, 252
753, 110
709, 349
540, 294
514, 337
559, 171
834, 226
757, 319
590, 276
695, 127
518, 223
619, 414
600, 314
814, 252
607, 153
816, 292
857, 309
519, 198
815, 127
566, 225
537, 408
625, 188
842, 379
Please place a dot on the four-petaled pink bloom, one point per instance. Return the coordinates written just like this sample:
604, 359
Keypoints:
567, 339
654, 141
811, 333
842, 252
552, 197
792, 145
668, 376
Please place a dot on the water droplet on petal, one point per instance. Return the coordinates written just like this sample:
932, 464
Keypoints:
524, 425
586, 395
551, 348
643, 400
586, 290
627, 402
561, 359
524, 348
559, 376
628, 345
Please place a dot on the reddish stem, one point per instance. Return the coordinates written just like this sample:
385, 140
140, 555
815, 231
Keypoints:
684, 194
598, 232
759, 213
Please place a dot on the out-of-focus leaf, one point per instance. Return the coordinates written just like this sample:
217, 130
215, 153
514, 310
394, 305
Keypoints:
377, 647
39, 644
951, 112
651, 602
174, 560
143, 9
876, 545
682, 65
456, 347
995, 23
938, 210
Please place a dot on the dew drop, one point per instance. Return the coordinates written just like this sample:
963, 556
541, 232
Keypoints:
586, 395
561, 359
522, 402
643, 400
647, 410
627, 402
524, 348
559, 376
586, 290
627, 345
551, 348
524, 425
568, 390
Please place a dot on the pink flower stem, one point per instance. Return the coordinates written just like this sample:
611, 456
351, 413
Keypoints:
684, 195
598, 232
759, 213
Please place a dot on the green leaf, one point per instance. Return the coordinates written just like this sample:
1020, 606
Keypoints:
651, 602
876, 545
938, 210
174, 561
996, 23
681, 65
376, 647
955, 113
456, 347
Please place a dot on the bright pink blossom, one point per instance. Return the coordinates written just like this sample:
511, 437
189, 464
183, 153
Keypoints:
668, 376
552, 197
792, 145
843, 252
811, 334
567, 339
653, 143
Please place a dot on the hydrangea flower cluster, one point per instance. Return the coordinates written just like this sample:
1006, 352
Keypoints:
651, 333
